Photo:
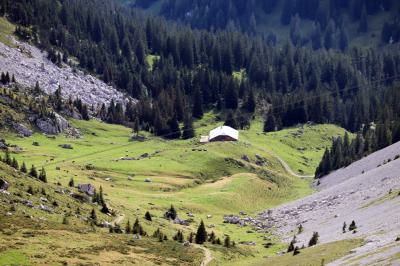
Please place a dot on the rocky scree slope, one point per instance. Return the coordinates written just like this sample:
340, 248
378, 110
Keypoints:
367, 192
30, 65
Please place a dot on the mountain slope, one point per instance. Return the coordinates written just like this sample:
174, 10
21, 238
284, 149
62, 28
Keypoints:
367, 192
365, 20
30, 65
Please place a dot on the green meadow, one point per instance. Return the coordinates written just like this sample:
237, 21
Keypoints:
205, 180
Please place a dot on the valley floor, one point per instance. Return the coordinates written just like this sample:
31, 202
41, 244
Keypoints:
203, 182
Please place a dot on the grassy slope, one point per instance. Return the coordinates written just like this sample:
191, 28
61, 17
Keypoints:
6, 30
182, 174
28, 234
318, 255
301, 147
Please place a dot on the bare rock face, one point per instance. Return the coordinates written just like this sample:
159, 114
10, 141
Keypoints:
52, 126
22, 130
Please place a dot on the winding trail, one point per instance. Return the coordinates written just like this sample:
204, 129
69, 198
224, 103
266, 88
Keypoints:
207, 255
289, 170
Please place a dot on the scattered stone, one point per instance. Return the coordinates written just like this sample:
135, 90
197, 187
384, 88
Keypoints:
73, 133
246, 158
148, 180
44, 199
27, 203
209, 216
4, 185
59, 191
89, 189
80, 197
248, 243
66, 146
3, 144
144, 156
233, 219
22, 130
45, 208
182, 222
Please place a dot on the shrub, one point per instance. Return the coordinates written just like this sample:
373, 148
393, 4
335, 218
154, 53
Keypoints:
314, 239
352, 226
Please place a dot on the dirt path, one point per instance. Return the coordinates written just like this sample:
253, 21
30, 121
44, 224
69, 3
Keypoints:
207, 255
289, 170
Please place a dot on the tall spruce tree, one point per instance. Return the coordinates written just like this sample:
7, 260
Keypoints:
201, 235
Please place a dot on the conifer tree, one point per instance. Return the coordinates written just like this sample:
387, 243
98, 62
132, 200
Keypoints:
270, 123
191, 237
104, 208
42, 175
227, 242
363, 26
314, 239
296, 251
71, 182
33, 172
352, 226
230, 120
7, 158
23, 168
188, 131
14, 164
93, 216
197, 103
128, 227
250, 104
147, 216
201, 235
291, 244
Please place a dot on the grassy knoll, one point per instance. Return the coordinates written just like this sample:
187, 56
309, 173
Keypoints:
6, 30
205, 180
301, 147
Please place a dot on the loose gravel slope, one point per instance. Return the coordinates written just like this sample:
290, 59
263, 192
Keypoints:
359, 192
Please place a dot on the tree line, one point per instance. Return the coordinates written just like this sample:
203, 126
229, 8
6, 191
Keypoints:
289, 84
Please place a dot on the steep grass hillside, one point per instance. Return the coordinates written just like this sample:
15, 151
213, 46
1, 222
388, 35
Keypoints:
201, 181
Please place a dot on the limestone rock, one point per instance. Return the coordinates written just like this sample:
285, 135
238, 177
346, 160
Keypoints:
52, 126
22, 130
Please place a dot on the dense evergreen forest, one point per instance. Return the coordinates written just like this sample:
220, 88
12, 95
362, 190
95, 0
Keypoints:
288, 84
308, 21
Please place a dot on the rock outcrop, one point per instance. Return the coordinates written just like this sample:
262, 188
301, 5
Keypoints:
22, 130
52, 126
